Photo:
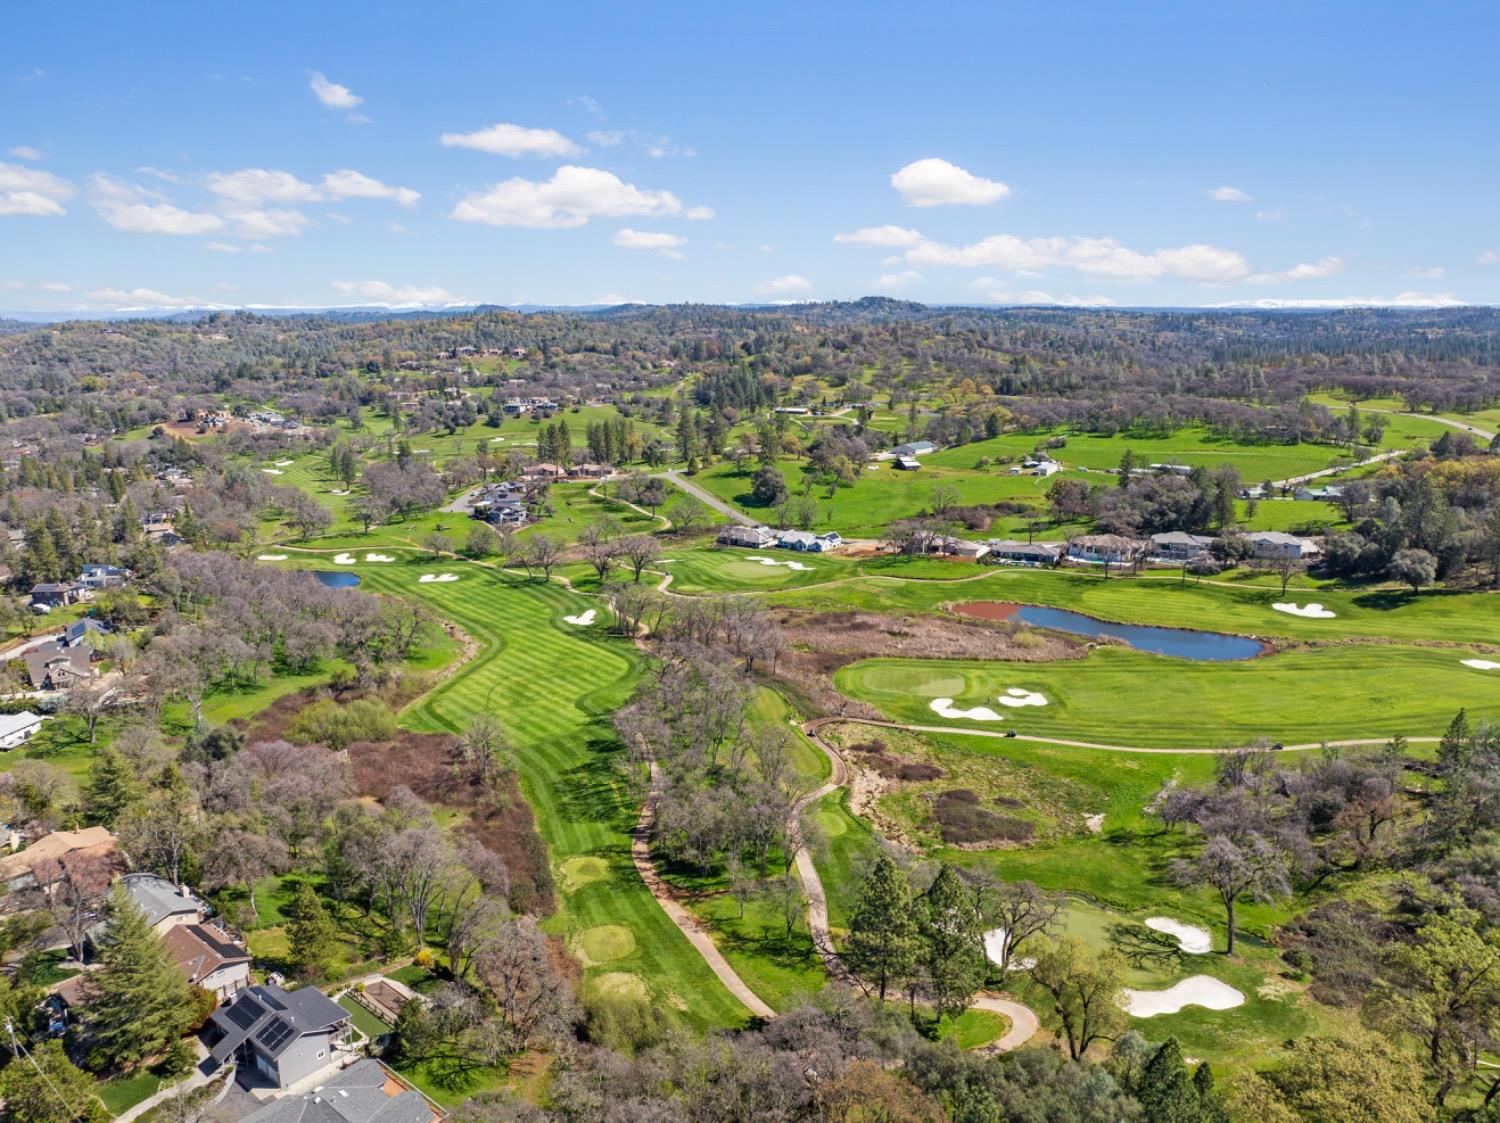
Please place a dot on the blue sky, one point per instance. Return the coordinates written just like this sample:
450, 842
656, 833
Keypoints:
158, 155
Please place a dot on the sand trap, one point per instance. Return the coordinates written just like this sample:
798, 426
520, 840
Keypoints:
994, 950
429, 577
1314, 610
379, 558
1095, 823
1196, 990
271, 471
1482, 664
344, 559
1190, 938
778, 561
270, 557
338, 491
583, 619
944, 707
284, 463
1015, 696
496, 440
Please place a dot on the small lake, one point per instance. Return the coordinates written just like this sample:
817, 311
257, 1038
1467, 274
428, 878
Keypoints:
336, 579
1181, 643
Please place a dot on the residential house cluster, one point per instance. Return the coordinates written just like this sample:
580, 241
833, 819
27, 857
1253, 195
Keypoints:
763, 537
535, 406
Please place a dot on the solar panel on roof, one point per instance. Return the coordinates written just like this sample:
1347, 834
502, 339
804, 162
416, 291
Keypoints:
246, 1012
276, 1034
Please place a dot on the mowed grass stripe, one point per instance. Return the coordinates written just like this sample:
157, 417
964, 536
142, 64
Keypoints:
553, 691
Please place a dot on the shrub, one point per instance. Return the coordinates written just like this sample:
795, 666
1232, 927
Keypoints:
328, 723
624, 1023
962, 820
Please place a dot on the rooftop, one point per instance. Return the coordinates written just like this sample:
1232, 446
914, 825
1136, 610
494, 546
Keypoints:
366, 1092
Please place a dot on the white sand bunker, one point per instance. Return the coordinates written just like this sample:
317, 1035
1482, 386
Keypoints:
994, 949
1095, 823
1016, 696
1190, 938
944, 707
338, 491
1314, 610
379, 558
344, 559
271, 471
1196, 990
284, 463
583, 619
778, 561
270, 557
429, 577
1482, 664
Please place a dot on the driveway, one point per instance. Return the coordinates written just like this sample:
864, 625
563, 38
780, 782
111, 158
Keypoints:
687, 485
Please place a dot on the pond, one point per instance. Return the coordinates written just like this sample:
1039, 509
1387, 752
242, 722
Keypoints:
336, 579
1182, 643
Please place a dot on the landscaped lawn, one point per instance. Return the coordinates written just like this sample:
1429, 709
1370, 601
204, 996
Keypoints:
124, 1092
364, 1021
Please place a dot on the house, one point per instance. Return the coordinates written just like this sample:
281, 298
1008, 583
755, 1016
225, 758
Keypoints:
832, 540
55, 667
366, 1092
1172, 469
1324, 494
794, 411
914, 448
1104, 549
1024, 553
958, 547
1274, 545
1256, 492
805, 541
100, 577
749, 537
210, 958
89, 858
590, 472
1036, 466
17, 729
80, 630
278, 1035
545, 472
57, 594
1176, 545
166, 906
163, 534
907, 464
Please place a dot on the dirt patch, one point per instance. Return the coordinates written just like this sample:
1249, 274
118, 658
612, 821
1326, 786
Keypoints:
819, 643
497, 817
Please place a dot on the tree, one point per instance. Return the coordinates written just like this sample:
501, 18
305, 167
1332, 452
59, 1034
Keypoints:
312, 938
1021, 908
768, 487
640, 550
1254, 868
482, 541
600, 548
483, 749
532, 1000
138, 1002
88, 700
1416, 568
241, 858
437, 544
882, 944
113, 787
49, 1088
540, 551
688, 514
306, 515
953, 943
1353, 1078
1085, 988
1166, 1092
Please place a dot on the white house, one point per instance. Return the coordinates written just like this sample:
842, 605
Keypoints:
1036, 466
750, 537
17, 729
1177, 545
1112, 549
1274, 544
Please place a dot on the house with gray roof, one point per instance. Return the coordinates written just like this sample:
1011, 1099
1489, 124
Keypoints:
276, 1035
366, 1092
165, 905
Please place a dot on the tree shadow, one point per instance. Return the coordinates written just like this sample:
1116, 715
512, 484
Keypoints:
1144, 948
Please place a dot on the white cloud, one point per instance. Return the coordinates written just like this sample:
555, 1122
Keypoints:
332, 94
1228, 194
570, 198
880, 236
26, 152
341, 219
277, 222
934, 182
513, 140
137, 211
605, 138
159, 173
616, 298
230, 247
137, 298
350, 184
1400, 300
1323, 267
897, 280
252, 187
780, 286
699, 214
12, 283
395, 227
1426, 272
667, 244
30, 191
380, 292
1036, 296
1104, 257
1488, 257
55, 286
1276, 214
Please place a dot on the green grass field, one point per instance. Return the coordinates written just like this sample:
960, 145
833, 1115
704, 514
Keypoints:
1121, 696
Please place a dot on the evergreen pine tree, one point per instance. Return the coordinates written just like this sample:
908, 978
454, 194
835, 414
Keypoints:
311, 936
953, 938
138, 1001
882, 943
113, 786
66, 1094
1457, 744
1166, 1092
1211, 1107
